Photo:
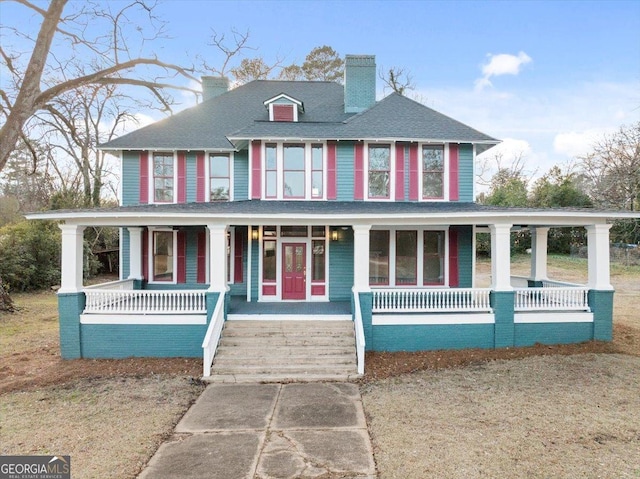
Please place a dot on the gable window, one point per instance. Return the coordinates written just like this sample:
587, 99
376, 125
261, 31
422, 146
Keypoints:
379, 171
219, 177
163, 257
432, 172
271, 168
163, 177
317, 168
293, 171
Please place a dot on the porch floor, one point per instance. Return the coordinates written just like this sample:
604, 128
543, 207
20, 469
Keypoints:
239, 305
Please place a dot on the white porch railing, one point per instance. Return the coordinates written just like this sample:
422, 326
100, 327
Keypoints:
359, 330
120, 285
551, 298
212, 338
431, 300
115, 301
549, 283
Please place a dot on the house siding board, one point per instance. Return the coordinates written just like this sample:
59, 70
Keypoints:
70, 305
191, 265
241, 175
431, 337
191, 177
465, 172
528, 334
465, 256
125, 263
130, 178
200, 178
601, 303
345, 171
201, 256
502, 303
341, 267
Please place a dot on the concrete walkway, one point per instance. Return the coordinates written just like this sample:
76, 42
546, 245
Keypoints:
268, 431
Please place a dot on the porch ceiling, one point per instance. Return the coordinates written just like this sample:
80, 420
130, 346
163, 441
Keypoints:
339, 213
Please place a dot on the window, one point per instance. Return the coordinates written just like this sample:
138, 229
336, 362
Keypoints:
432, 171
269, 261
406, 257
317, 167
294, 171
294, 231
163, 256
379, 171
219, 177
433, 257
379, 257
271, 174
318, 261
163, 177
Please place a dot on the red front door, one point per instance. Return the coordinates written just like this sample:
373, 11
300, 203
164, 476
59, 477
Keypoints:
294, 282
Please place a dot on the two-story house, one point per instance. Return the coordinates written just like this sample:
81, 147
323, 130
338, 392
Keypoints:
297, 200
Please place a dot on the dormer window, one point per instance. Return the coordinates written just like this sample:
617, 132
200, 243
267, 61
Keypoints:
284, 108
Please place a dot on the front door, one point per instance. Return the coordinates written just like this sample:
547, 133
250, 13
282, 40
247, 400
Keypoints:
294, 281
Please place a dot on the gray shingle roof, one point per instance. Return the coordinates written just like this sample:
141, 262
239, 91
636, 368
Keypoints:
240, 114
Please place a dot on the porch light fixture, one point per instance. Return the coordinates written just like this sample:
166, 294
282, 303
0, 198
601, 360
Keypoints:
334, 235
254, 234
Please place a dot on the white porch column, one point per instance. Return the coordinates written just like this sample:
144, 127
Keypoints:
539, 253
598, 251
501, 257
135, 253
72, 258
361, 257
217, 257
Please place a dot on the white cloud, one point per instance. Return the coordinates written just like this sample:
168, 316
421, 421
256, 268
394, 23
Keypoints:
501, 64
578, 143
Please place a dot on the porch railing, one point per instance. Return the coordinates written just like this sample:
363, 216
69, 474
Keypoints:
431, 300
359, 330
114, 301
551, 298
212, 337
120, 285
549, 283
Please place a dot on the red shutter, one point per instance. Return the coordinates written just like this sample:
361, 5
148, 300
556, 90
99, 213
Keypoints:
202, 257
414, 181
454, 278
238, 248
331, 171
282, 112
399, 172
453, 173
359, 170
182, 177
256, 168
144, 177
145, 254
200, 179
181, 274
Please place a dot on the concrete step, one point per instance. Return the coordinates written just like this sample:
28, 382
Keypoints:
223, 360
280, 341
285, 368
291, 325
284, 353
243, 332
279, 378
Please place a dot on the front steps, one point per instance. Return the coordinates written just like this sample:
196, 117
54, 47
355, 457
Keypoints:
285, 351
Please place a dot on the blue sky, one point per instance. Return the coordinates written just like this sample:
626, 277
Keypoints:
545, 77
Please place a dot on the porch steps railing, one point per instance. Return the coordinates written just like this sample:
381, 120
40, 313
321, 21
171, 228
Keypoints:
116, 301
552, 299
431, 300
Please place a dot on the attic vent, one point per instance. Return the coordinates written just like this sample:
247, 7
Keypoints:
284, 108
282, 112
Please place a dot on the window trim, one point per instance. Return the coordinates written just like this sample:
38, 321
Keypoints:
151, 251
392, 171
445, 172
305, 171
152, 178
207, 172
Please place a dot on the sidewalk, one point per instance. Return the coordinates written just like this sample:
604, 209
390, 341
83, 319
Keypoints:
298, 430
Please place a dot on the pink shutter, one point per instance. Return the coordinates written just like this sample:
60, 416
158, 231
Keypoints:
145, 254
282, 112
256, 168
331, 171
414, 181
454, 279
144, 177
454, 181
238, 247
181, 275
182, 177
359, 170
399, 172
200, 179
201, 274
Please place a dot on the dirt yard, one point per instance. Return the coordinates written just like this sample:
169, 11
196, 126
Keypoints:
563, 411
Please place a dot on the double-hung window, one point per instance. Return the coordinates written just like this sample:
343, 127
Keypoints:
163, 257
379, 171
317, 171
163, 178
293, 171
219, 177
432, 172
271, 171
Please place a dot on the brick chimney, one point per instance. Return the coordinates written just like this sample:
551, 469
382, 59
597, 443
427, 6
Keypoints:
359, 82
213, 87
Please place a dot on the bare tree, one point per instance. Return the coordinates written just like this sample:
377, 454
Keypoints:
253, 69
397, 79
228, 49
73, 31
513, 168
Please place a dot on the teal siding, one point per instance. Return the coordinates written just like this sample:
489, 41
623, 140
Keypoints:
528, 334
341, 266
431, 337
127, 340
255, 278
241, 175
366, 305
192, 255
601, 303
345, 171
70, 305
130, 178
465, 256
465, 172
503, 307
125, 264
191, 177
